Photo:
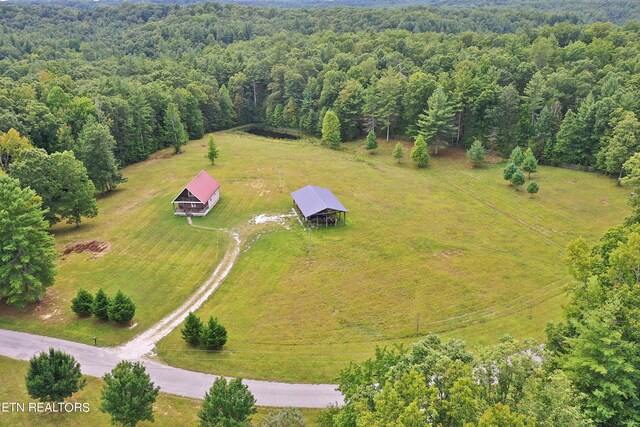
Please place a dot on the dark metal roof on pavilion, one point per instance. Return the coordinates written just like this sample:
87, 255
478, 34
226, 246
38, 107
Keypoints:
312, 199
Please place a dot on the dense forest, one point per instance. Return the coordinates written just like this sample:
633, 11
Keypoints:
569, 91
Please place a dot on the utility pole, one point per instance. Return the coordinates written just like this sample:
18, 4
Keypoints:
418, 324
280, 178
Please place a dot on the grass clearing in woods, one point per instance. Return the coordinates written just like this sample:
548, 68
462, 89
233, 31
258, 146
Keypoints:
447, 249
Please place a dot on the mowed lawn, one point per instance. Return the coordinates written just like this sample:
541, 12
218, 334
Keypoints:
169, 410
448, 249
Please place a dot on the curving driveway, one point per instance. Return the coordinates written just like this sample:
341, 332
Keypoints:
96, 361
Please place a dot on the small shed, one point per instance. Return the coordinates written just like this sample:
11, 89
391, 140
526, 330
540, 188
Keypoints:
198, 197
318, 206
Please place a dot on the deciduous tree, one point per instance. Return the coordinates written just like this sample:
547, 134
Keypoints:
95, 147
11, 144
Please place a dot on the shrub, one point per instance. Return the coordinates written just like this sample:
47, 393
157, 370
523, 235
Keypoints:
121, 308
214, 335
82, 303
192, 330
100, 306
53, 376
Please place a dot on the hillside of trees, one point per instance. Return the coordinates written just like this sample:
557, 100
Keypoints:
569, 91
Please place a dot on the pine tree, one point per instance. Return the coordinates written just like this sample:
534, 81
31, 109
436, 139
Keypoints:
508, 172
81, 303
533, 188
436, 123
398, 152
175, 134
530, 163
121, 309
129, 394
476, 154
27, 251
517, 179
100, 306
516, 157
420, 152
331, 130
372, 142
53, 376
212, 149
227, 404
214, 335
192, 331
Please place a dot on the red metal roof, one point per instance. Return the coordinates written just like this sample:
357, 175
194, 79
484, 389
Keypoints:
203, 186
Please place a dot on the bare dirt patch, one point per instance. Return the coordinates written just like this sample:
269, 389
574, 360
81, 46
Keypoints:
96, 248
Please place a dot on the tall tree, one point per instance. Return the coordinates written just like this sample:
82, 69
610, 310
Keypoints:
11, 145
227, 404
436, 124
95, 149
129, 394
212, 149
624, 141
27, 252
175, 134
348, 108
62, 182
331, 130
53, 376
389, 91
420, 152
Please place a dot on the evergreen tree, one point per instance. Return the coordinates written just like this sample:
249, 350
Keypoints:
212, 149
81, 304
476, 154
420, 152
121, 309
174, 133
436, 124
95, 149
227, 112
348, 108
372, 142
398, 152
517, 156
290, 114
53, 376
530, 163
227, 404
192, 331
578, 141
100, 306
214, 335
533, 188
389, 89
62, 182
508, 172
27, 251
331, 130
129, 394
624, 141
517, 179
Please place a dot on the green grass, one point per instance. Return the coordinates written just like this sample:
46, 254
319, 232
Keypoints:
448, 249
169, 410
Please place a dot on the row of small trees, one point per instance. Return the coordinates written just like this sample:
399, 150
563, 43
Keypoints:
212, 336
129, 394
519, 162
119, 309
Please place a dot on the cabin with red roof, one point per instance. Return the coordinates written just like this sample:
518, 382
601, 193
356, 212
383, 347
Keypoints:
198, 197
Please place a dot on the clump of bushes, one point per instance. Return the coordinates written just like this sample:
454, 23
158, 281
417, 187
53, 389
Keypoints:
119, 309
211, 336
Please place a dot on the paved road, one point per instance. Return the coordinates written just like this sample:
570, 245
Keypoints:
96, 361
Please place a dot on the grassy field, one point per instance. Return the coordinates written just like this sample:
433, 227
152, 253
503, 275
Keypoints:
168, 410
449, 249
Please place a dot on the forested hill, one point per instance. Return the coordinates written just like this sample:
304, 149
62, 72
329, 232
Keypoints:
618, 11
566, 89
